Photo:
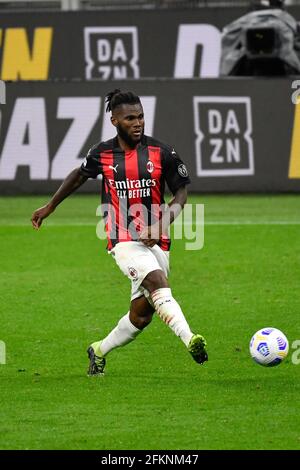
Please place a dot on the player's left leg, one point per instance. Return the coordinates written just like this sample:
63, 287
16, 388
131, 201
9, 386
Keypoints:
170, 312
127, 329
166, 306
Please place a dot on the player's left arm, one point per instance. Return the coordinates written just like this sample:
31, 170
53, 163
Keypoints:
175, 206
177, 178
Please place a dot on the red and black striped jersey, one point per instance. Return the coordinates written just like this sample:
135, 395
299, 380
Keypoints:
133, 185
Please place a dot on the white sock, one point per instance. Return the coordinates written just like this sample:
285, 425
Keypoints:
170, 312
122, 334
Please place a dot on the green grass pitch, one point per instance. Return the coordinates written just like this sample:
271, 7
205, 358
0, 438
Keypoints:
60, 290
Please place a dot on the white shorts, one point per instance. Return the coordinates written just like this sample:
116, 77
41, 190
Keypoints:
137, 260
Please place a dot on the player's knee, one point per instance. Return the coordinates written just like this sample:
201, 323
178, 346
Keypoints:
141, 318
141, 322
144, 321
155, 280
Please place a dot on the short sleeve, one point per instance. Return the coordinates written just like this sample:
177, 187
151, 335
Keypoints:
91, 166
176, 173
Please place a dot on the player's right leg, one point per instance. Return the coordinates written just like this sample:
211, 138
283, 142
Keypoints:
127, 329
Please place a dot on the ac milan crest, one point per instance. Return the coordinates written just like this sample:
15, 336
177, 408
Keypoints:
133, 273
150, 166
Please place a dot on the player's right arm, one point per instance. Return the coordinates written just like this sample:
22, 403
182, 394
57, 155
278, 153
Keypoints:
90, 168
69, 185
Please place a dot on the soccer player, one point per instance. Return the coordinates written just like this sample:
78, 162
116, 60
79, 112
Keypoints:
135, 168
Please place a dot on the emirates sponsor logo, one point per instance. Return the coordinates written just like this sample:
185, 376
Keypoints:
132, 184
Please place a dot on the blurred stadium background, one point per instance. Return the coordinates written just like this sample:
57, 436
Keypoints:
239, 136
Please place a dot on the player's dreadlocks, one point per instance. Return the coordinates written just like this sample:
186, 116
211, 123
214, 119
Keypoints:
118, 97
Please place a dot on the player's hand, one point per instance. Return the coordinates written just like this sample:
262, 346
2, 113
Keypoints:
150, 235
39, 215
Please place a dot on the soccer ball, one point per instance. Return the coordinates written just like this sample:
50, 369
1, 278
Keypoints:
269, 347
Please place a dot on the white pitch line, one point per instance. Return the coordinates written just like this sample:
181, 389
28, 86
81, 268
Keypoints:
212, 222
250, 222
